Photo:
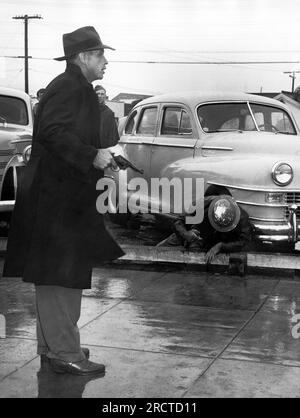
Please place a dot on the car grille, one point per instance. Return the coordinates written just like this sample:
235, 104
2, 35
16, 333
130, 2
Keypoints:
290, 198
5, 156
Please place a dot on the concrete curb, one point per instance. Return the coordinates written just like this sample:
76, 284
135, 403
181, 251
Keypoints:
273, 261
135, 254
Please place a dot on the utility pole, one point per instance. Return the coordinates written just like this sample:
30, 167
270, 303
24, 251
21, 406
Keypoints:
293, 77
26, 18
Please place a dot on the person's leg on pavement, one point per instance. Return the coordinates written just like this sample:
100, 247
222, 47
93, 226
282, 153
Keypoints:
58, 312
42, 347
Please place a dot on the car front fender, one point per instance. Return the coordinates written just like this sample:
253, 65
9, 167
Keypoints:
237, 171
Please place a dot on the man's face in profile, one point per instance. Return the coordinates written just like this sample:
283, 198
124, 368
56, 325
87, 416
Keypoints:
94, 63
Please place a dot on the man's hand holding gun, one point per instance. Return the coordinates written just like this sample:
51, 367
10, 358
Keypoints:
105, 159
122, 163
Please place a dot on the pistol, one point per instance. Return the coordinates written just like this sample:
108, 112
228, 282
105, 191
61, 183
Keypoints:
123, 163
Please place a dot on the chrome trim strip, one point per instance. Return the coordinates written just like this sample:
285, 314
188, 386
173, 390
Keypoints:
268, 205
255, 189
173, 145
17, 141
217, 148
273, 229
252, 115
135, 143
15, 180
273, 238
252, 218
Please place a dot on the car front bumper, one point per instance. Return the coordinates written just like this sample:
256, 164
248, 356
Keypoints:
278, 231
7, 205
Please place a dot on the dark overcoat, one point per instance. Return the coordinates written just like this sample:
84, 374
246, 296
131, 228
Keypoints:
57, 236
108, 127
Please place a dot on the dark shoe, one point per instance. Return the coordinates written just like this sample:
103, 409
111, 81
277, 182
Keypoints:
82, 368
45, 359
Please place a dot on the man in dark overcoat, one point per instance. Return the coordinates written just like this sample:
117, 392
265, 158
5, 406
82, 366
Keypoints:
57, 236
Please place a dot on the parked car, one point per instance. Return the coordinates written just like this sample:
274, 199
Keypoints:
16, 125
242, 144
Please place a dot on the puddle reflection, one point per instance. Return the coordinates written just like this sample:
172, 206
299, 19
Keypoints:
54, 385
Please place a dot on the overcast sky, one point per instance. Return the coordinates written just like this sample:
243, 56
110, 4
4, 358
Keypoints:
159, 30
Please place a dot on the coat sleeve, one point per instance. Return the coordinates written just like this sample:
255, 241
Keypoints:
56, 130
244, 237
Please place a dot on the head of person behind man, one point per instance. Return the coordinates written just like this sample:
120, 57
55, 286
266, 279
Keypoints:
39, 93
101, 93
84, 48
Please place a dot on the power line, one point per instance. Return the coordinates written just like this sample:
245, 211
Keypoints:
187, 51
205, 62
178, 62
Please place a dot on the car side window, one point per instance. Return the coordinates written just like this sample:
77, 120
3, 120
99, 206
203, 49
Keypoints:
171, 120
272, 119
13, 110
130, 123
231, 124
175, 121
185, 123
281, 122
147, 124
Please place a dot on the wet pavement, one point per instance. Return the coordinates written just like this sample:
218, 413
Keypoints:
164, 334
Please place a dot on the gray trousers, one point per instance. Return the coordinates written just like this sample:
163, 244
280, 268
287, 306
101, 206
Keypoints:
57, 313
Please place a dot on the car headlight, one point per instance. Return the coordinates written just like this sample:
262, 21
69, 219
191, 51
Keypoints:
282, 174
26, 154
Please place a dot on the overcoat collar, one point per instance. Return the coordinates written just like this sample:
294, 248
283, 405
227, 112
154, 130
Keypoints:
74, 69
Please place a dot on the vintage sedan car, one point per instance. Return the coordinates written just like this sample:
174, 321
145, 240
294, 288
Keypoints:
242, 144
16, 125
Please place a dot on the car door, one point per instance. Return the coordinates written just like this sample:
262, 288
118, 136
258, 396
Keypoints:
137, 138
223, 124
176, 139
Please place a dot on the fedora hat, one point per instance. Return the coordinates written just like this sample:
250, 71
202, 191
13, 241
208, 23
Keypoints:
81, 40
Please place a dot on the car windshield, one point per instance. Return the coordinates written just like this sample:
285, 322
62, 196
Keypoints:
224, 117
13, 110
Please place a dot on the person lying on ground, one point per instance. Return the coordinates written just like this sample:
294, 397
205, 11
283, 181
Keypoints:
225, 228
